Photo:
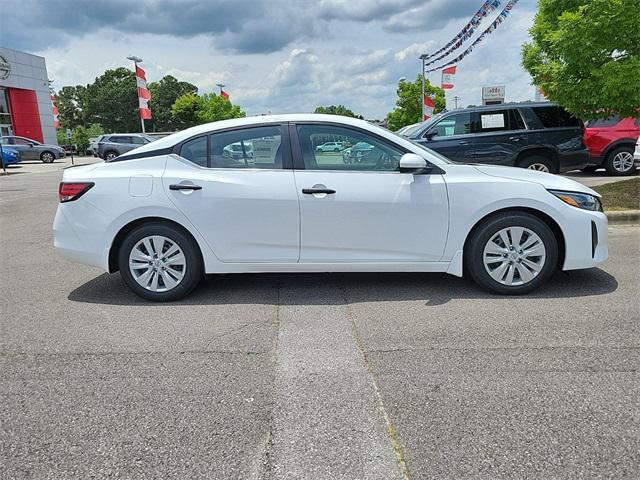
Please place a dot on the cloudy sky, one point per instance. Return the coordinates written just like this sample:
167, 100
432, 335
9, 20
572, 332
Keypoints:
274, 55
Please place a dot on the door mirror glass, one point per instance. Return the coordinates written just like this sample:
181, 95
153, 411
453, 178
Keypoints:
412, 163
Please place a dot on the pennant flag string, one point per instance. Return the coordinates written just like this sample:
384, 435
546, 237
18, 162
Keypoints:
487, 7
503, 15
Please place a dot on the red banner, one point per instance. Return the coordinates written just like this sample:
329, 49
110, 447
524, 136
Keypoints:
143, 94
447, 77
429, 105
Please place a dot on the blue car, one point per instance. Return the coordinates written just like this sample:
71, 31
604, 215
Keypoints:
10, 156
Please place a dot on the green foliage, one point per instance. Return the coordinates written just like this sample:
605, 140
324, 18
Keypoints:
191, 109
409, 103
337, 110
70, 101
80, 136
163, 95
112, 101
585, 55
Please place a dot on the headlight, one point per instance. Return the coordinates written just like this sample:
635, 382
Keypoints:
579, 200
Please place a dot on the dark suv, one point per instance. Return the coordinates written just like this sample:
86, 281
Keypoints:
539, 136
110, 146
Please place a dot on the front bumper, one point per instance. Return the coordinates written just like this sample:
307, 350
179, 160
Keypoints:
586, 239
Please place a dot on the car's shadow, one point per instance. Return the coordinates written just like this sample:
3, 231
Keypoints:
325, 288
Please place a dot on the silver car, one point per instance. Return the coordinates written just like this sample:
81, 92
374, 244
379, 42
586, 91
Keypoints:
32, 149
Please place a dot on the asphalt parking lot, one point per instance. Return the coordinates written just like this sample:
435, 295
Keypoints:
342, 376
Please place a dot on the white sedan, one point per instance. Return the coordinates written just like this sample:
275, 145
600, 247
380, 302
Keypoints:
175, 209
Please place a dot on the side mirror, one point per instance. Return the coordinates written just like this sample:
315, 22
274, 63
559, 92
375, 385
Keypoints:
412, 163
430, 134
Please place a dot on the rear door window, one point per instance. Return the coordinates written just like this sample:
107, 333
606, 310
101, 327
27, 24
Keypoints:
604, 122
493, 121
515, 120
555, 117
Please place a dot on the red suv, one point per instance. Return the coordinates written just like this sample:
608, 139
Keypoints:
611, 142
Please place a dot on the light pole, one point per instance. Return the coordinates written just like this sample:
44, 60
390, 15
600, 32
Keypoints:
136, 61
455, 99
423, 57
221, 85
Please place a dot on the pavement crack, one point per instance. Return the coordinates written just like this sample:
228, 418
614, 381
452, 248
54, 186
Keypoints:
390, 428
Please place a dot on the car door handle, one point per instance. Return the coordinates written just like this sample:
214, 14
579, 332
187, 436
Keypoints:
514, 139
311, 191
182, 186
463, 142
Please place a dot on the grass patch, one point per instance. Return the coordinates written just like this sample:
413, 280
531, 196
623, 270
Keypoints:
624, 195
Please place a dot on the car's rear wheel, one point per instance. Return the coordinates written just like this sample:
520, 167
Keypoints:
538, 163
512, 253
110, 155
620, 162
160, 262
47, 157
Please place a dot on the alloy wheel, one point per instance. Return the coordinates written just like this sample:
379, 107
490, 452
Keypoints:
157, 263
540, 167
623, 162
514, 256
47, 157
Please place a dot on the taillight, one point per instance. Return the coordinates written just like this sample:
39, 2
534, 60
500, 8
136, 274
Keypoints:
68, 192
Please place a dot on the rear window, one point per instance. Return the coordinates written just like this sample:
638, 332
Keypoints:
604, 122
554, 117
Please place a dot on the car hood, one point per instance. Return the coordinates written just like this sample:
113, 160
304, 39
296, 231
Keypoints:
547, 180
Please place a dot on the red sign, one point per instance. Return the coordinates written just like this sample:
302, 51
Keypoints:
447, 77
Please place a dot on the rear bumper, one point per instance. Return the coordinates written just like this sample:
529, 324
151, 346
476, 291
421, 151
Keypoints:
67, 241
574, 160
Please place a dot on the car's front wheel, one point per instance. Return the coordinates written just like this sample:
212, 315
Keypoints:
110, 156
160, 262
47, 157
620, 162
512, 253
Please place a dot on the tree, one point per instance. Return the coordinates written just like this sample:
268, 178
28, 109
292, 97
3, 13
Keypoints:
186, 108
585, 55
337, 110
112, 101
191, 109
80, 136
163, 95
215, 107
71, 103
409, 103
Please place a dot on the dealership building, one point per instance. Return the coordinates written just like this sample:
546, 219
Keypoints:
25, 100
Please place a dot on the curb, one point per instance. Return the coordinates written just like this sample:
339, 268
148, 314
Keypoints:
623, 216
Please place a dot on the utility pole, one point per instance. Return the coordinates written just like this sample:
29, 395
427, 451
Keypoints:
136, 61
423, 57
455, 99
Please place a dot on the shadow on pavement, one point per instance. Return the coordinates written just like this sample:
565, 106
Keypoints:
320, 288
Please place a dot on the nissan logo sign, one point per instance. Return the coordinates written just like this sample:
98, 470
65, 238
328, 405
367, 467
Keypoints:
5, 69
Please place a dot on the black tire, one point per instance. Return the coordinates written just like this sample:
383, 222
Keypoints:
590, 168
536, 160
110, 155
189, 247
47, 157
487, 229
612, 158
336, 150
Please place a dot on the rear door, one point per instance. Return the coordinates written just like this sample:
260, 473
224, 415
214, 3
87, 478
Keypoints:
452, 136
501, 136
245, 207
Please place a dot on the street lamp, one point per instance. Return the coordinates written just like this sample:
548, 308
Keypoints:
136, 61
221, 85
402, 79
423, 57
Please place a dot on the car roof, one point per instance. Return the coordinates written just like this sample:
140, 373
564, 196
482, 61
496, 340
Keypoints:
503, 106
178, 137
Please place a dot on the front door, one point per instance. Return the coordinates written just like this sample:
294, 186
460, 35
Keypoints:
245, 205
26, 148
452, 137
365, 210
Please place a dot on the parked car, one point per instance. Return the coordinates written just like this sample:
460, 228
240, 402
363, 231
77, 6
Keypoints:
110, 146
10, 156
32, 149
405, 130
93, 145
611, 143
330, 147
69, 149
239, 150
356, 153
537, 136
636, 153
172, 210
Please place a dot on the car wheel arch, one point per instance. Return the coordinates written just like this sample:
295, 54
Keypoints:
537, 151
127, 228
622, 142
547, 219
